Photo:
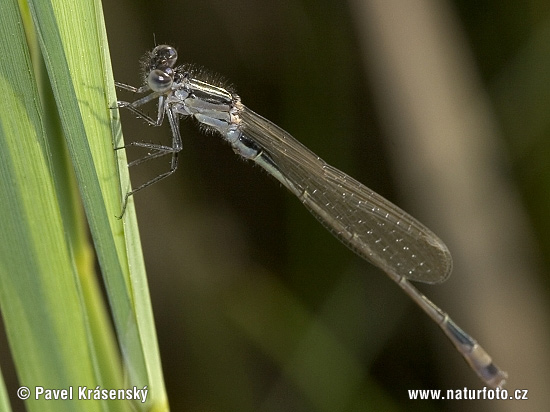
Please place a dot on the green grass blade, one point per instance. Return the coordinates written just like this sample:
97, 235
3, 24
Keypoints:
55, 318
4, 399
40, 297
75, 54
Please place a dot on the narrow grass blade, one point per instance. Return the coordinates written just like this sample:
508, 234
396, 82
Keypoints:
40, 297
79, 70
56, 321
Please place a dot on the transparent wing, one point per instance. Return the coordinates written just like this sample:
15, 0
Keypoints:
368, 224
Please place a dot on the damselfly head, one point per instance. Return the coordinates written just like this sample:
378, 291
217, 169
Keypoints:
157, 67
163, 56
160, 80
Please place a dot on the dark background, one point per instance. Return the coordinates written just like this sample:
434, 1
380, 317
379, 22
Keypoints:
257, 307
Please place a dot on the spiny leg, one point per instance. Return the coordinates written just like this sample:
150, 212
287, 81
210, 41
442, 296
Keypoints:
133, 107
160, 149
173, 167
150, 156
133, 89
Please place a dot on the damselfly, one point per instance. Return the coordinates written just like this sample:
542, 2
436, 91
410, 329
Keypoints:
364, 221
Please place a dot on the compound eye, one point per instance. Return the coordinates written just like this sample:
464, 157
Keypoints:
165, 55
160, 80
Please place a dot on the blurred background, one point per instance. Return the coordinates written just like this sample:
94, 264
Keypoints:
443, 107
